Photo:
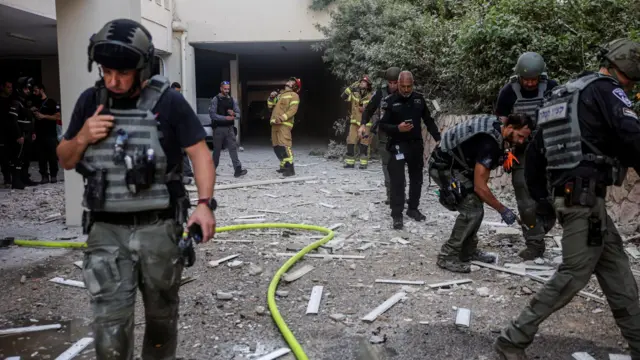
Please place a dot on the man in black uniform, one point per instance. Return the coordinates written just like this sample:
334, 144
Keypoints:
587, 136
8, 131
400, 112
46, 134
461, 165
125, 136
21, 112
524, 94
373, 110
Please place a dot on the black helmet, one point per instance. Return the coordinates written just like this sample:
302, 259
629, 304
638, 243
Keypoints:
392, 73
625, 55
122, 44
24, 82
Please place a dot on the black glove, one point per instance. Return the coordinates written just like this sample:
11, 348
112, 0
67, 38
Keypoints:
508, 216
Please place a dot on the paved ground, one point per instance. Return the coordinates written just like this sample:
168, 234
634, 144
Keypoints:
420, 327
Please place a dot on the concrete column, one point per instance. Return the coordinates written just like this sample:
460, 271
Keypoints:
235, 89
76, 22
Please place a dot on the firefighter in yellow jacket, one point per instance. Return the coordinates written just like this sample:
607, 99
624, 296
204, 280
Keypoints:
285, 105
358, 95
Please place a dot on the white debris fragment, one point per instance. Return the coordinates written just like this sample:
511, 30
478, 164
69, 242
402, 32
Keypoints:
463, 317
221, 295
235, 264
483, 291
582, 356
337, 317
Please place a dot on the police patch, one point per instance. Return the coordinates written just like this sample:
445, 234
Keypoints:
620, 94
417, 101
629, 113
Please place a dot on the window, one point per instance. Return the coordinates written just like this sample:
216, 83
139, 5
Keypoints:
167, 4
159, 2
157, 67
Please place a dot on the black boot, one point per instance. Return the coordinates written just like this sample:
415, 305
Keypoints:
288, 170
240, 172
7, 179
280, 171
45, 179
16, 181
398, 223
54, 179
349, 166
416, 215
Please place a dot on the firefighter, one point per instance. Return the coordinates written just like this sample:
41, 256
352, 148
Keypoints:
358, 95
285, 106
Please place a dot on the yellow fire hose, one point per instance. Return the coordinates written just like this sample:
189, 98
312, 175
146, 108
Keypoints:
271, 292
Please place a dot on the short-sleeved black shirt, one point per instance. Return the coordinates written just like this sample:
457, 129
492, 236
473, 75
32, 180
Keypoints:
179, 124
507, 97
46, 127
480, 149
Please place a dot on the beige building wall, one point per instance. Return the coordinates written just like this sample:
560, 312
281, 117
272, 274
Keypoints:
250, 20
157, 16
46, 8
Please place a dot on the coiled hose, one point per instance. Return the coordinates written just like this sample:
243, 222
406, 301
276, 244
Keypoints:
271, 292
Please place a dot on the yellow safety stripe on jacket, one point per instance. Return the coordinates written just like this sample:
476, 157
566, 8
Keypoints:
369, 124
294, 103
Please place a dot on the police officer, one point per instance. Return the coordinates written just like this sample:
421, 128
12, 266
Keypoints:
373, 110
401, 115
524, 94
461, 165
21, 112
358, 95
224, 111
129, 130
584, 148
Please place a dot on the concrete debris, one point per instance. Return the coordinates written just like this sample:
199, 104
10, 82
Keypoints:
401, 282
235, 263
409, 289
539, 261
260, 310
526, 290
28, 329
215, 263
365, 246
78, 264
582, 356
373, 315
327, 205
483, 291
276, 354
449, 283
508, 231
255, 270
632, 250
352, 266
403, 241
61, 281
75, 349
475, 268
337, 317
557, 260
597, 311
463, 317
528, 267
297, 274
314, 300
221, 295
375, 339
619, 357
23, 279
325, 256
282, 293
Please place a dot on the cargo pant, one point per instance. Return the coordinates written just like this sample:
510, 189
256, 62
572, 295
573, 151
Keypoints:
579, 261
224, 135
463, 240
119, 260
535, 229
282, 142
353, 139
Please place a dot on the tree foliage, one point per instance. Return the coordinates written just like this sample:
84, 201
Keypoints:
462, 52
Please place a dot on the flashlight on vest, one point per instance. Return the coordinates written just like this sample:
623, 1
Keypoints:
119, 147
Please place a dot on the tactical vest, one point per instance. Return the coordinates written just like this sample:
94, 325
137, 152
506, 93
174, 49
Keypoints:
225, 103
528, 106
26, 119
558, 120
453, 137
144, 133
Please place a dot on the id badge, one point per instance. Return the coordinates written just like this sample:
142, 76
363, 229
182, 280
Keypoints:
399, 156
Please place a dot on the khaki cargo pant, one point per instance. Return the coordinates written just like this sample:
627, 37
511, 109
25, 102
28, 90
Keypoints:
463, 240
118, 261
579, 261
353, 139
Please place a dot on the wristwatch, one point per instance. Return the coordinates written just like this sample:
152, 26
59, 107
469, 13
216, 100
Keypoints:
211, 203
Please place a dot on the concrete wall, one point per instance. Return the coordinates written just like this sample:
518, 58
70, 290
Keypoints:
77, 20
51, 77
157, 16
250, 20
46, 8
623, 202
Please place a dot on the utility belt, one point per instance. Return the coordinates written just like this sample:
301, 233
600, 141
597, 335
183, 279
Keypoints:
581, 191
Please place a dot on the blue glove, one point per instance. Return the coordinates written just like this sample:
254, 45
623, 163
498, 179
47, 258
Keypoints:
508, 216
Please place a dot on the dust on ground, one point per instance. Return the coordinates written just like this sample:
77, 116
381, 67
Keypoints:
419, 327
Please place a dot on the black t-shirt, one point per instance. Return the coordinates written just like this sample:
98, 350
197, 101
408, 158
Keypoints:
46, 127
179, 124
507, 97
480, 149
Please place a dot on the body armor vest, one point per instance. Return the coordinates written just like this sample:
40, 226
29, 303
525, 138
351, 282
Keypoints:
528, 106
453, 137
144, 133
558, 120
225, 103
26, 119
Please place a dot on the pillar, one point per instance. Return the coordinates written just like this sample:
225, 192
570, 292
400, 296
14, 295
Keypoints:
76, 22
234, 79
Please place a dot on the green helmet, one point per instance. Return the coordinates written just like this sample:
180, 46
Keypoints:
624, 54
392, 73
530, 65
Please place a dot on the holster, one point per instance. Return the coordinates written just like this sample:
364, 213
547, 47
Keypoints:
583, 192
182, 209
